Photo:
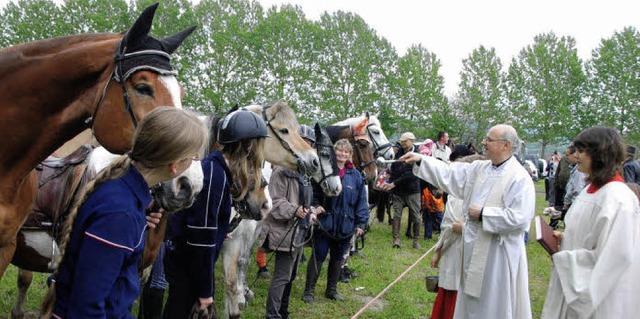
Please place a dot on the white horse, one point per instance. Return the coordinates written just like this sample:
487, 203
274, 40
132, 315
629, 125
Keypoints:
381, 145
237, 251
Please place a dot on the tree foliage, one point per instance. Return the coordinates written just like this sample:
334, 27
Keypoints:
339, 67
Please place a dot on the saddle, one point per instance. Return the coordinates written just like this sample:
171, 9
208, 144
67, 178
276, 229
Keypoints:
58, 182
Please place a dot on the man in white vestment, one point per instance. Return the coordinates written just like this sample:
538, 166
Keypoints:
499, 198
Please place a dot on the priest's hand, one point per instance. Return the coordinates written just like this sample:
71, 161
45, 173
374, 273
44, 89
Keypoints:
436, 259
474, 212
457, 226
411, 158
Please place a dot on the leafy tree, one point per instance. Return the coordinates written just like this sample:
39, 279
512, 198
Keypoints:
545, 87
31, 20
481, 93
352, 63
222, 74
614, 84
96, 16
419, 88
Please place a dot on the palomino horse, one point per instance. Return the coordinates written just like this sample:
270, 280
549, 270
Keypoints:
36, 245
51, 90
237, 251
381, 145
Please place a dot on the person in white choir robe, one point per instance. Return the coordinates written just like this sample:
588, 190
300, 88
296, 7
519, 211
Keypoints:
499, 199
596, 273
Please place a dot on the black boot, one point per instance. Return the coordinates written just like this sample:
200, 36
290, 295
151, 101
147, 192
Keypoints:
151, 305
313, 272
335, 267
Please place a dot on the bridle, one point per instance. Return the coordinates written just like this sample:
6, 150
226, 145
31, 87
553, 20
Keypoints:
243, 210
118, 76
285, 145
378, 150
319, 145
354, 141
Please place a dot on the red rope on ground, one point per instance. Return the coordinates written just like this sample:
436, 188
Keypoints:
391, 284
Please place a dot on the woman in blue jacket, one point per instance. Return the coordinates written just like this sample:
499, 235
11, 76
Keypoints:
338, 219
195, 235
103, 237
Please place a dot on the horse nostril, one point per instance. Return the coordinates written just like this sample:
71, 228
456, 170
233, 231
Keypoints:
316, 163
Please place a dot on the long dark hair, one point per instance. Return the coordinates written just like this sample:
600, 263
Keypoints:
607, 150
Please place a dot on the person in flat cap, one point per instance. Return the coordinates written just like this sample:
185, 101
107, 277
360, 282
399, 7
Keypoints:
405, 191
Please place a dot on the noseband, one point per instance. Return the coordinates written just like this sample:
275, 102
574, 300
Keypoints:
379, 150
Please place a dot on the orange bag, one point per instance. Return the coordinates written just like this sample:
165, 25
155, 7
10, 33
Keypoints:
430, 203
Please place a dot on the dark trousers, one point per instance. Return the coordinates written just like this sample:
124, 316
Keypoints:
432, 222
183, 290
285, 272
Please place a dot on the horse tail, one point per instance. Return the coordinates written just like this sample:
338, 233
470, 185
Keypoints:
115, 170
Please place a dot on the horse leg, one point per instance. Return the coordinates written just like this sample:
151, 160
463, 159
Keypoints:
13, 213
25, 278
230, 270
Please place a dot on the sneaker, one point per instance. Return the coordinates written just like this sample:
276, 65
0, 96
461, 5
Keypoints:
263, 273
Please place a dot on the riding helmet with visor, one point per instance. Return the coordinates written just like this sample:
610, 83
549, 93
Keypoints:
307, 132
241, 125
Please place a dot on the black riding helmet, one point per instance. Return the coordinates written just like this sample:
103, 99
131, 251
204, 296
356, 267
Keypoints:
241, 125
307, 132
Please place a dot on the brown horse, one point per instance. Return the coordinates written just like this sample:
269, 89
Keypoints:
51, 90
362, 158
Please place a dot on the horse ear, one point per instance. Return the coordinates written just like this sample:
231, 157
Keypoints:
171, 43
140, 28
362, 126
317, 130
366, 114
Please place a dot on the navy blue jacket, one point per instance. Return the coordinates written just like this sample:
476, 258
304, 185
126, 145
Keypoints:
200, 230
98, 277
347, 210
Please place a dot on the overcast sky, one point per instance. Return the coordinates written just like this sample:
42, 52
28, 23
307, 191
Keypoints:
453, 28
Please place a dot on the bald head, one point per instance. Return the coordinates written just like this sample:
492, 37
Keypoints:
501, 142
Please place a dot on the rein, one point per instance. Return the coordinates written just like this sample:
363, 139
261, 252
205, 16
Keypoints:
379, 150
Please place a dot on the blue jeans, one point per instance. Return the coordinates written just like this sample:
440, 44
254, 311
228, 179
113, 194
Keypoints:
432, 222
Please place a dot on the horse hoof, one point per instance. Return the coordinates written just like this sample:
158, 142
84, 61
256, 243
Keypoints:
250, 295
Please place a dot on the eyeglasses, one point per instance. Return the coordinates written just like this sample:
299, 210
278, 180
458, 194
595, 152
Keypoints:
489, 140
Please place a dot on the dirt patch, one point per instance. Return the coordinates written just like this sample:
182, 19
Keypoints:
377, 305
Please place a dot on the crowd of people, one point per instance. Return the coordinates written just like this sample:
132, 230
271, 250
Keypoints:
479, 205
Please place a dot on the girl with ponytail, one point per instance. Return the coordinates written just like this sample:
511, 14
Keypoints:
103, 237
195, 236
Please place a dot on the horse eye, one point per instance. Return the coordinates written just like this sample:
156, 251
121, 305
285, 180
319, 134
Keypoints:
144, 89
284, 130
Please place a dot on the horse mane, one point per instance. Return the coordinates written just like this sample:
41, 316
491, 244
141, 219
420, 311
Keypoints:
334, 131
212, 122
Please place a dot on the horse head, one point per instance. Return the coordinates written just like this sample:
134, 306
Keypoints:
363, 150
329, 174
286, 147
142, 67
255, 204
381, 145
179, 193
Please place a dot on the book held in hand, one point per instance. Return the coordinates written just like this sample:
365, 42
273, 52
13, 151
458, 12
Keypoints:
544, 235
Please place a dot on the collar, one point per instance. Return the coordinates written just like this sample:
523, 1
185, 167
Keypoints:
139, 187
500, 164
592, 188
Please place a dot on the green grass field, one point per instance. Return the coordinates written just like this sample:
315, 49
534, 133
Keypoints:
377, 266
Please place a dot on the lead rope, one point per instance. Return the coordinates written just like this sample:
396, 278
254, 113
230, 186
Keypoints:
393, 283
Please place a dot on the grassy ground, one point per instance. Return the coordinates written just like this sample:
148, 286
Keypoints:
377, 266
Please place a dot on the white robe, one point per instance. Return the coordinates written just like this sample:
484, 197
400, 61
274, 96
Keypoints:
596, 273
450, 244
505, 287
